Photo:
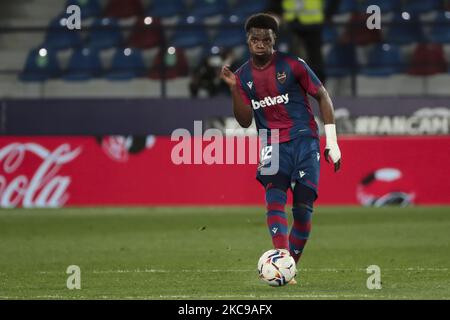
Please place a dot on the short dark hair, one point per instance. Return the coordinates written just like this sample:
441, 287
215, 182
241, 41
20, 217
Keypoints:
262, 21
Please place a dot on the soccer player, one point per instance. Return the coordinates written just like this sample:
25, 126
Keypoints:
274, 87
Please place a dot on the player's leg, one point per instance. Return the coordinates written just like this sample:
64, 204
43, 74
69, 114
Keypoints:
276, 197
306, 177
276, 186
302, 213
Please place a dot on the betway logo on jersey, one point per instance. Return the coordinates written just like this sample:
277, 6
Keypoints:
270, 101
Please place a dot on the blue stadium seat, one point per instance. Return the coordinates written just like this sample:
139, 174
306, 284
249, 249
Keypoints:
105, 34
247, 8
127, 64
189, 33
384, 60
59, 36
41, 65
231, 32
165, 8
421, 6
84, 64
347, 6
440, 32
386, 5
89, 8
403, 31
340, 60
206, 8
329, 34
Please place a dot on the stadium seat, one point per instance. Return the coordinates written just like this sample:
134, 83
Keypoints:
59, 37
84, 64
428, 59
440, 32
147, 33
421, 6
347, 6
41, 64
357, 32
247, 8
403, 31
340, 60
330, 34
386, 6
105, 34
127, 64
446, 5
124, 9
165, 9
206, 8
89, 8
230, 33
175, 65
189, 33
384, 60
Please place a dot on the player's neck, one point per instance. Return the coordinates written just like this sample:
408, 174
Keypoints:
261, 62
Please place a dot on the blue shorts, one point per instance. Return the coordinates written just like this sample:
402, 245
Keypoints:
299, 162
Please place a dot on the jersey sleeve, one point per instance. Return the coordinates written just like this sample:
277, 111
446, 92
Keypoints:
306, 77
242, 92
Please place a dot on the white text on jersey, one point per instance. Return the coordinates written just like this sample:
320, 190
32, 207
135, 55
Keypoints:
270, 101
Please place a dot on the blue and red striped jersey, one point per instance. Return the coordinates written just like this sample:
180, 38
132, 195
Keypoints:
278, 95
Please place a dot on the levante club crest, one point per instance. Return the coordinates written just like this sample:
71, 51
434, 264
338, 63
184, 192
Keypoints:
281, 77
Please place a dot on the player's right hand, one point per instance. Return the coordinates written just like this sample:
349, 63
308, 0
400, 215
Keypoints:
228, 76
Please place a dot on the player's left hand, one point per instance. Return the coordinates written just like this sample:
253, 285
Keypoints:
332, 151
331, 147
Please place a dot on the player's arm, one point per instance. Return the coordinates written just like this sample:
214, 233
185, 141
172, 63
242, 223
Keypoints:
327, 114
242, 111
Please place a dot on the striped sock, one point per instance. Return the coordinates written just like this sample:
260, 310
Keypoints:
276, 217
300, 230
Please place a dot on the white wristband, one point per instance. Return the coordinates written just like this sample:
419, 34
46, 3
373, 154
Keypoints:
330, 132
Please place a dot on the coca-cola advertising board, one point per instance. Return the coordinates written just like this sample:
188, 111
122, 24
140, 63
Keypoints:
141, 171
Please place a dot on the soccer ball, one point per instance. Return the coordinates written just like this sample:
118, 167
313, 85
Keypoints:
276, 267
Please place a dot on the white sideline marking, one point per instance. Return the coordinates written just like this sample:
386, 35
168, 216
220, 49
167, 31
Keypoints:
326, 296
247, 270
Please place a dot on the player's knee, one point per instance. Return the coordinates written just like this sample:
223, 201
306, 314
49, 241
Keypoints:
278, 181
302, 212
302, 209
304, 197
275, 195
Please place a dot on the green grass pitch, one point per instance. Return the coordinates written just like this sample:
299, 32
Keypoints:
211, 253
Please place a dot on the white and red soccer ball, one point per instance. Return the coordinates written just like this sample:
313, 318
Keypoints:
276, 267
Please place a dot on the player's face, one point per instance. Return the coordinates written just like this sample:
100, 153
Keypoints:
260, 41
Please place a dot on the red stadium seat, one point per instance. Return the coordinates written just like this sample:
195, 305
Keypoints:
176, 65
124, 8
358, 33
147, 33
428, 59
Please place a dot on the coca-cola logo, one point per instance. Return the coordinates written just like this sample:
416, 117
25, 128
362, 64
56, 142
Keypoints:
44, 188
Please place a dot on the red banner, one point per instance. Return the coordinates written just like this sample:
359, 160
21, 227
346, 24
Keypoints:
85, 171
